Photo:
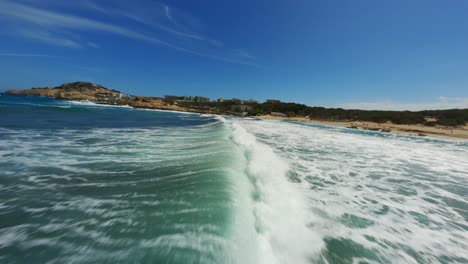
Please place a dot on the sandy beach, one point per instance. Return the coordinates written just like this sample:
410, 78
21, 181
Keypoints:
418, 130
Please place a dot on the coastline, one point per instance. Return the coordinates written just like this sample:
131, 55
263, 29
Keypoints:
415, 130
159, 104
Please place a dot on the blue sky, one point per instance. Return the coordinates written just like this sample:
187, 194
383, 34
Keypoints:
365, 54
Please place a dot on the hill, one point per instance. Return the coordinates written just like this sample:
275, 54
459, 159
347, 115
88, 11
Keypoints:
74, 91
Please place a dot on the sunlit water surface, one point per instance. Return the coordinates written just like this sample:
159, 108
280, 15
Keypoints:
84, 183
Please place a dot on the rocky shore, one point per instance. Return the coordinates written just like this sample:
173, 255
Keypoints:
101, 95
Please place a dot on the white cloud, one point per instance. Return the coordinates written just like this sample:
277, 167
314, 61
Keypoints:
52, 20
243, 54
439, 103
25, 55
49, 38
92, 44
167, 11
63, 29
141, 15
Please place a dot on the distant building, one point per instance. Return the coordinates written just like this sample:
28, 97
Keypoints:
220, 100
173, 98
197, 99
250, 101
278, 114
125, 97
241, 101
202, 99
241, 108
273, 101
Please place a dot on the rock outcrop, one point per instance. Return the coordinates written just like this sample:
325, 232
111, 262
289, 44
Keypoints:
76, 91
101, 95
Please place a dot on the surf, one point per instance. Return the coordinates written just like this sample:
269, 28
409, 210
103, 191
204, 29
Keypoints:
281, 218
100, 184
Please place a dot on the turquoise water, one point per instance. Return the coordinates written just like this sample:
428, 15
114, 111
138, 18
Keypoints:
84, 183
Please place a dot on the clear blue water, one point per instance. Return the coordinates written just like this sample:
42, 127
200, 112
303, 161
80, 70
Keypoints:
86, 183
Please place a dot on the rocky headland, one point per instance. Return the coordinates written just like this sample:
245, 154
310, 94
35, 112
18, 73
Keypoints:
101, 95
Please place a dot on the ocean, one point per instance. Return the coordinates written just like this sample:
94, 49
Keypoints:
87, 183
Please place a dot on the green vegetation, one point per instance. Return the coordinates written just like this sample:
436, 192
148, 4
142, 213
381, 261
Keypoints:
89, 91
453, 117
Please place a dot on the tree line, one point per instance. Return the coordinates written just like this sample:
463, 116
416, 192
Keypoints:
451, 117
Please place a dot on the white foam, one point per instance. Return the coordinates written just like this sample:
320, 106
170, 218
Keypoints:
90, 103
168, 111
281, 215
361, 174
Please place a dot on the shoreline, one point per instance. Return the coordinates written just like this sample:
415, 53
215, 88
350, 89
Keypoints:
415, 130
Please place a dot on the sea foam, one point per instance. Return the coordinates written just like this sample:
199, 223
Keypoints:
279, 208
380, 198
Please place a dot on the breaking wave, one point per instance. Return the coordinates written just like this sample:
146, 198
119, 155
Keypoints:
84, 183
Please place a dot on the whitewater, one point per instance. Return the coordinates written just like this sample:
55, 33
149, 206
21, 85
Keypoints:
84, 183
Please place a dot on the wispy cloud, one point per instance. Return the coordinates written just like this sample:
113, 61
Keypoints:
48, 37
167, 11
53, 21
26, 55
136, 17
157, 15
67, 30
439, 103
92, 44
